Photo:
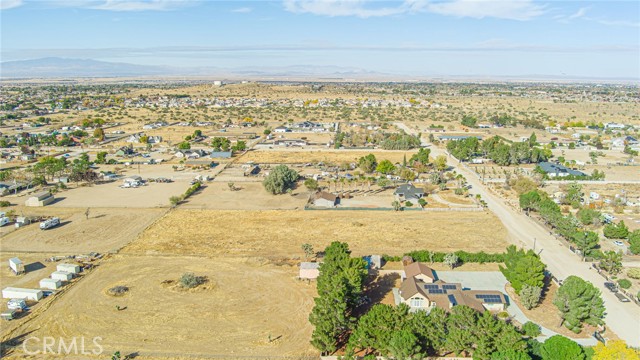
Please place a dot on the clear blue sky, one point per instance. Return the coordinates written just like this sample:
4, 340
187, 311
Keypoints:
425, 37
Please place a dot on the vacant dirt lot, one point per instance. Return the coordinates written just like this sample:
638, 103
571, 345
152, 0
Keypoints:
251, 196
243, 304
279, 234
105, 230
112, 195
296, 156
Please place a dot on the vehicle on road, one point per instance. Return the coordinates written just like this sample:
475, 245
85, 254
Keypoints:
49, 223
622, 298
611, 286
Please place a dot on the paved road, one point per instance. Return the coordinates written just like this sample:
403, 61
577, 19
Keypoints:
622, 318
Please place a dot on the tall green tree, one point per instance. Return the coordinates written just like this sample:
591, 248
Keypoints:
368, 163
579, 302
461, 325
523, 268
385, 167
559, 347
586, 242
280, 179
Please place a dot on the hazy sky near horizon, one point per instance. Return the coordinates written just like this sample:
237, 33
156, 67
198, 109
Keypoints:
423, 37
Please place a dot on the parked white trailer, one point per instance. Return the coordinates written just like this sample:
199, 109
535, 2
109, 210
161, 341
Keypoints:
61, 275
70, 268
19, 293
16, 304
52, 284
16, 265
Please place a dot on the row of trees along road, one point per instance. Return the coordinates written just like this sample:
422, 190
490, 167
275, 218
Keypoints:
498, 150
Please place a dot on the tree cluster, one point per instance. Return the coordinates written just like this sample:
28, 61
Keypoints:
280, 179
340, 285
579, 302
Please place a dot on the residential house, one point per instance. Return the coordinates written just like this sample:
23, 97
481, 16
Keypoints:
408, 192
554, 170
614, 126
422, 292
290, 142
281, 129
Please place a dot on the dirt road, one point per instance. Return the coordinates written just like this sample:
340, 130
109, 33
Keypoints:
622, 318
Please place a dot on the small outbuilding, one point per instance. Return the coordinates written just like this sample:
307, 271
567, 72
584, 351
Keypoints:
325, 199
51, 284
19, 293
61, 275
70, 268
309, 270
40, 199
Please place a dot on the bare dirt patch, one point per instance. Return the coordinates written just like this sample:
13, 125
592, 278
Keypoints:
251, 301
329, 156
248, 196
105, 230
280, 234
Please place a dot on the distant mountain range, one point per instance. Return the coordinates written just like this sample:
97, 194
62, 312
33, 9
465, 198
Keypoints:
53, 67
59, 67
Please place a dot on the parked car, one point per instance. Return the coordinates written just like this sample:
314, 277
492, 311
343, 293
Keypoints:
611, 286
622, 298
619, 243
49, 223
4, 221
9, 314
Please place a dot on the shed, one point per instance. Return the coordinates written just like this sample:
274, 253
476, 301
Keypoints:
61, 275
52, 284
70, 268
40, 199
309, 270
325, 199
220, 154
19, 293
16, 265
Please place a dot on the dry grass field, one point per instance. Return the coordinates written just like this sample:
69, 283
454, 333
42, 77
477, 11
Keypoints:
329, 156
106, 229
234, 313
279, 234
251, 196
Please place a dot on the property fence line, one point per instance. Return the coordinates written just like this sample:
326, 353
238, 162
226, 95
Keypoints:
307, 207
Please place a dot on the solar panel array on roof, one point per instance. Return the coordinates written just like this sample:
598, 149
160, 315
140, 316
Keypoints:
432, 286
452, 300
490, 299
449, 287
436, 291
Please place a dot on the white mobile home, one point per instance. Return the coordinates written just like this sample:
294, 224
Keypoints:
16, 265
19, 293
51, 284
70, 268
61, 275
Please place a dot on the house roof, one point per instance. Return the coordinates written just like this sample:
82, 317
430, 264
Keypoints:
309, 265
327, 196
418, 268
554, 168
446, 295
409, 191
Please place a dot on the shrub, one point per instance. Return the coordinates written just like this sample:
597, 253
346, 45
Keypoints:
190, 281
624, 283
616, 231
118, 290
408, 204
280, 179
4, 203
530, 296
531, 329
634, 273
634, 242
